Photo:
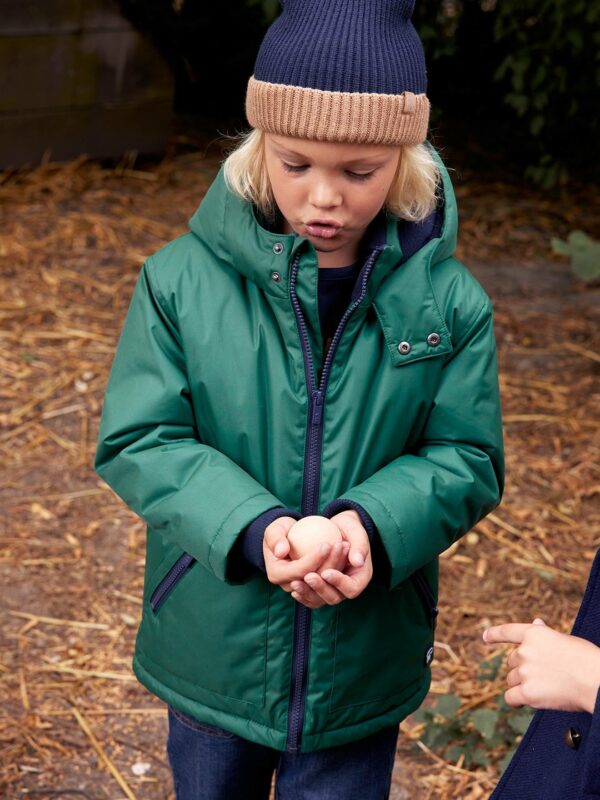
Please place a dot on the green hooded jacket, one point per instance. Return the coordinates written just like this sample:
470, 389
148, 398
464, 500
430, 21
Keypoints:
214, 413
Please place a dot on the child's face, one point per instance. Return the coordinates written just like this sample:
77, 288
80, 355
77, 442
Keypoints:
336, 182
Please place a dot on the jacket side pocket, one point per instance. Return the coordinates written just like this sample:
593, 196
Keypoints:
426, 595
168, 583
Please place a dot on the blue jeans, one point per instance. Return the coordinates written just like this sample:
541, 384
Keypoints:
210, 763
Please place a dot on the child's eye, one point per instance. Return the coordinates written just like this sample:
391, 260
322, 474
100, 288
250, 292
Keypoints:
291, 167
356, 176
360, 176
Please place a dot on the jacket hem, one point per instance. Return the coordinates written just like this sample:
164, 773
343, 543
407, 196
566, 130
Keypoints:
367, 727
259, 733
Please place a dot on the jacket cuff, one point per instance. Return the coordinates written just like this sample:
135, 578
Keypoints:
247, 550
381, 565
342, 505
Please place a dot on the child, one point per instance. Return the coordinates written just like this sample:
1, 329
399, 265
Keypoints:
310, 348
559, 674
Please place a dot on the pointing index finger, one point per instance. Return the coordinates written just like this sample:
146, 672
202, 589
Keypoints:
509, 632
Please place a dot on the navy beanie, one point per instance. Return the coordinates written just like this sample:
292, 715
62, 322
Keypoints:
343, 71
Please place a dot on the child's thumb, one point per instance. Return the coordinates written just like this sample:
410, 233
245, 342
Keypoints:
281, 548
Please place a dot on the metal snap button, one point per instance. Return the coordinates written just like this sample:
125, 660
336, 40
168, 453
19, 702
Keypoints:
276, 276
433, 339
278, 248
404, 347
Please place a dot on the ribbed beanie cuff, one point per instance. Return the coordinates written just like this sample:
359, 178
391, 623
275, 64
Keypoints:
354, 117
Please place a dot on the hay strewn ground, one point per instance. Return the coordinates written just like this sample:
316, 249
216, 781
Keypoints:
73, 238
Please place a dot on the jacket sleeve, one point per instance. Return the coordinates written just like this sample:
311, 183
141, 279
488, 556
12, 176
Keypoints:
148, 449
425, 499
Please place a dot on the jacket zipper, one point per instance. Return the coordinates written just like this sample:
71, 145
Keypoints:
310, 488
159, 595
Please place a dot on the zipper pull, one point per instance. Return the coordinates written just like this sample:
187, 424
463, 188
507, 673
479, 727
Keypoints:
317, 409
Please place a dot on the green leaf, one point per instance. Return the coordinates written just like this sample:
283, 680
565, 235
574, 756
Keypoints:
480, 757
583, 251
519, 720
436, 736
423, 715
454, 752
560, 246
447, 705
574, 36
505, 761
490, 668
485, 720
536, 125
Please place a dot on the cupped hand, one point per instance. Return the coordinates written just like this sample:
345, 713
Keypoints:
284, 571
330, 585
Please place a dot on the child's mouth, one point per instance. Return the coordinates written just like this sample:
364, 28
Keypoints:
322, 231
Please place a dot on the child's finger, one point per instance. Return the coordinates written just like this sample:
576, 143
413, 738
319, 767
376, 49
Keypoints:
282, 548
337, 557
305, 595
513, 678
514, 697
275, 536
350, 584
355, 534
538, 621
323, 590
509, 632
285, 570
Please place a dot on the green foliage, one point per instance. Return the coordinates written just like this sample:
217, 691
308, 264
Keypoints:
270, 8
584, 253
529, 69
551, 70
473, 734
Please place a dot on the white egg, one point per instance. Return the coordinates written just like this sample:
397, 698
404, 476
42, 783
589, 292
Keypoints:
308, 533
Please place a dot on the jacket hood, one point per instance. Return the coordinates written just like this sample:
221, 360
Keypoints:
230, 227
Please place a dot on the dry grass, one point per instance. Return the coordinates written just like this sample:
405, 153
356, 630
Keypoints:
73, 239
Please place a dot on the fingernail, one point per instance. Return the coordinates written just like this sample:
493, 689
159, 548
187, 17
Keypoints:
310, 581
485, 635
279, 549
359, 559
325, 548
327, 575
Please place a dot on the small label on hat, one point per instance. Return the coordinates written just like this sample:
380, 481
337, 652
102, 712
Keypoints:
410, 103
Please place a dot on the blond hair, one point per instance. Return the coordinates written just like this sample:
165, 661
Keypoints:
412, 194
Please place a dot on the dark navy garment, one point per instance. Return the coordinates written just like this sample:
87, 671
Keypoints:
214, 764
335, 291
559, 755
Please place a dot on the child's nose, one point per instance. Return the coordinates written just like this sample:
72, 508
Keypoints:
324, 195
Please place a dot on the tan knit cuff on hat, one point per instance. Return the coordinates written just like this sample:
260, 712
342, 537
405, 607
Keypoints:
357, 117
